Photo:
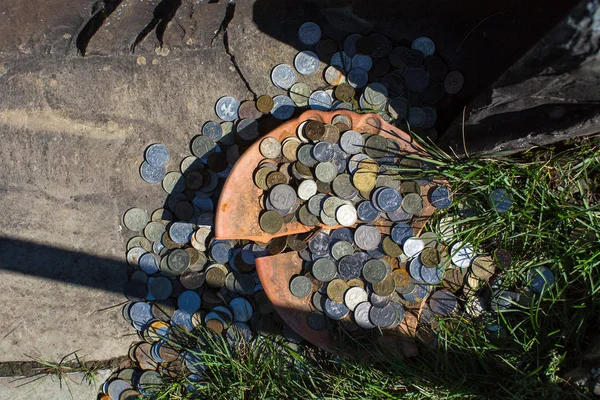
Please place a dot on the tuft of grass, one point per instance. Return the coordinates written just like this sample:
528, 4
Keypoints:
553, 222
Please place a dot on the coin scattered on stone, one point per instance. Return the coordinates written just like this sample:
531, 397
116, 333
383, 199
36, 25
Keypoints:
309, 33
283, 76
135, 219
227, 108
306, 62
157, 155
264, 104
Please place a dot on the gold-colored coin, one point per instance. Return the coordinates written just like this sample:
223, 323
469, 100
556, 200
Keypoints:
332, 134
290, 148
336, 290
169, 244
483, 267
364, 180
385, 287
314, 130
391, 248
275, 178
264, 104
152, 332
277, 245
401, 278
430, 257
369, 165
355, 282
407, 187
260, 178
215, 325
453, 279
194, 255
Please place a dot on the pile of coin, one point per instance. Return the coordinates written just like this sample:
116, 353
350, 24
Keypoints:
371, 73
333, 175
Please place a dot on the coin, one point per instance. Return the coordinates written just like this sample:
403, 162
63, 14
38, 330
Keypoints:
283, 76
430, 257
316, 321
346, 215
351, 142
443, 302
454, 82
152, 174
413, 246
344, 92
376, 94
271, 222
390, 248
367, 237
424, 45
335, 76
320, 100
500, 200
462, 254
299, 93
203, 146
290, 148
341, 61
401, 278
441, 197
540, 278
412, 203
306, 62
453, 279
309, 33
335, 310
336, 290
135, 219
283, 107
416, 79
270, 147
227, 108
354, 296
385, 287
157, 155
358, 78
416, 117
264, 104
300, 286
483, 267
374, 271
324, 270
349, 267
383, 317
361, 315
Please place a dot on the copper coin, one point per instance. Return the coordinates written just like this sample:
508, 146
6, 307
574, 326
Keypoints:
344, 92
275, 178
260, 178
453, 279
265, 104
215, 325
248, 110
401, 278
483, 267
277, 245
314, 130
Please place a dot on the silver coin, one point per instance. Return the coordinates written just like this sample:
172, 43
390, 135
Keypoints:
327, 220
326, 172
270, 147
350, 44
413, 246
309, 33
462, 254
342, 61
157, 155
227, 108
365, 105
306, 62
358, 77
334, 75
362, 61
283, 76
424, 45
367, 237
315, 203
152, 174
346, 215
320, 100
247, 129
283, 197
154, 231
134, 254
361, 315
354, 296
181, 232
283, 107
416, 117
299, 93
307, 189
242, 309
383, 317
173, 182
334, 310
135, 219
352, 142
376, 94
443, 302
341, 249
